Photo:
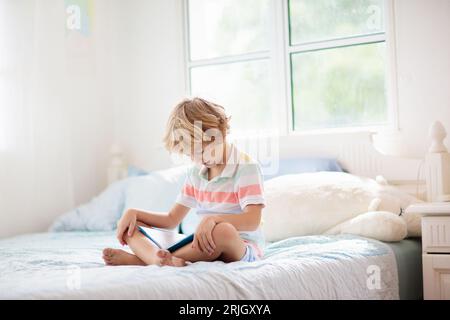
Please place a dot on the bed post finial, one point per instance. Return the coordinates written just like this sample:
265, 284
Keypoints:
437, 135
437, 162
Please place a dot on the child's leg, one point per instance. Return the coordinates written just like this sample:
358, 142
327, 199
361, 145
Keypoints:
118, 257
150, 254
229, 246
145, 253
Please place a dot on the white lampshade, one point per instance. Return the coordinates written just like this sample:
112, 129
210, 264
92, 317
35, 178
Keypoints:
392, 143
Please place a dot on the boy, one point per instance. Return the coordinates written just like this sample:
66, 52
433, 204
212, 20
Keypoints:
224, 185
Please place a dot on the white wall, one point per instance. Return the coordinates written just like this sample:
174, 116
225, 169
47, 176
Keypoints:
423, 52
55, 121
149, 77
70, 96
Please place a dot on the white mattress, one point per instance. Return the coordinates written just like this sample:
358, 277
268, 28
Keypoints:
69, 266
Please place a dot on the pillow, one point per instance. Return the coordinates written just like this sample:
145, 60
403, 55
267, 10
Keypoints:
136, 172
313, 203
158, 192
381, 225
286, 166
190, 222
155, 191
99, 214
302, 165
395, 200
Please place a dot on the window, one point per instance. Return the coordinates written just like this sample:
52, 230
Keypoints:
337, 54
333, 61
229, 58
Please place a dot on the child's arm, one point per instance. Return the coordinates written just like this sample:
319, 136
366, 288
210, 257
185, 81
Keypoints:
166, 220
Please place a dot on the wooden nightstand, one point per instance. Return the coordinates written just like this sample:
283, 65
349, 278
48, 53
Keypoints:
435, 249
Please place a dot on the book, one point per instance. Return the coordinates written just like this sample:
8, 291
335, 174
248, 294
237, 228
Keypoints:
166, 239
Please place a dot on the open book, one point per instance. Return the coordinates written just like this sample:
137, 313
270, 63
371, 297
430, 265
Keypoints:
166, 239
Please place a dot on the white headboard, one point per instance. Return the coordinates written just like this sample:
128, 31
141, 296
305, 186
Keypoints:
356, 153
405, 173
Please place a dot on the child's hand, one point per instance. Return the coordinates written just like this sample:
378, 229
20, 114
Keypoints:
126, 224
203, 236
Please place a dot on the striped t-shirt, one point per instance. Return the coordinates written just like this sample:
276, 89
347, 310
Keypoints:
240, 184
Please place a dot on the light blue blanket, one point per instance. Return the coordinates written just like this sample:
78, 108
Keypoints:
69, 266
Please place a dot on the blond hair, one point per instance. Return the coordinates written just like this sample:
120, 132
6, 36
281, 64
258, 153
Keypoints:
187, 113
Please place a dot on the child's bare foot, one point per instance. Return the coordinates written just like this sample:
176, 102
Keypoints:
118, 257
167, 259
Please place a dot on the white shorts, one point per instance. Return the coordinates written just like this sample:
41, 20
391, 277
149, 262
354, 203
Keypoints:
251, 253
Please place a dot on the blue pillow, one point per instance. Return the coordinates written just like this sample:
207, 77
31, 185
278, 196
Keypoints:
302, 165
155, 191
99, 214
136, 172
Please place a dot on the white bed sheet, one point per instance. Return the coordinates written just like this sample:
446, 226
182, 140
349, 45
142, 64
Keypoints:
69, 266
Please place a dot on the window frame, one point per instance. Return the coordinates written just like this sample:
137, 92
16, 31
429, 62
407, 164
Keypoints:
280, 54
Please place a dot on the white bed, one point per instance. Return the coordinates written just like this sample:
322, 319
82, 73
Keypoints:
69, 266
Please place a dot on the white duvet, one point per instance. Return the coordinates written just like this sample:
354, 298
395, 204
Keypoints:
69, 266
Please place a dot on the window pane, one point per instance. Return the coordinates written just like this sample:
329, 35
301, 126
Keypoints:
316, 20
339, 87
227, 27
241, 88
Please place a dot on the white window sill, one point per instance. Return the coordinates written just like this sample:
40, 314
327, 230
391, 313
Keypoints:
327, 131
383, 129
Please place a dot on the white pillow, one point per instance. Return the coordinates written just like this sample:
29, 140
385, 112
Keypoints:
313, 203
156, 191
380, 225
396, 200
